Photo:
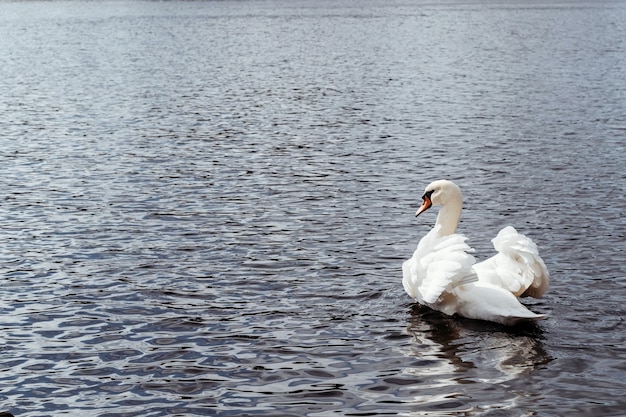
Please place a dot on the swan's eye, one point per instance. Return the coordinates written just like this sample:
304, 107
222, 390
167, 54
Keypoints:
429, 193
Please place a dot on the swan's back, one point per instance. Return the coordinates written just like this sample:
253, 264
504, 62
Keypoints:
440, 275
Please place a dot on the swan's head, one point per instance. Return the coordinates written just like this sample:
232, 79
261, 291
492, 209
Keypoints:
439, 193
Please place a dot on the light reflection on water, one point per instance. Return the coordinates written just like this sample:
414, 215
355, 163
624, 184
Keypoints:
205, 205
460, 368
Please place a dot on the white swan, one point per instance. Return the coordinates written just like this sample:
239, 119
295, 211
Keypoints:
442, 274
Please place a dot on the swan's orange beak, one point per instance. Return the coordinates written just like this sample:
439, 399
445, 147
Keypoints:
425, 205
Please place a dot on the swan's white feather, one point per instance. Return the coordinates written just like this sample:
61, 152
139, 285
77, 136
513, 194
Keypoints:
517, 267
489, 302
443, 275
438, 264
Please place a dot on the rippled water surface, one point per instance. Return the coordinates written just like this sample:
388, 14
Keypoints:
205, 205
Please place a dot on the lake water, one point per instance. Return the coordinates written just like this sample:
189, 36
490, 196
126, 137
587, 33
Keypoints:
205, 205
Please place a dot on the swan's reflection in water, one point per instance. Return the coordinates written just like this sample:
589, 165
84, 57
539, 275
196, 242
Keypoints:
471, 367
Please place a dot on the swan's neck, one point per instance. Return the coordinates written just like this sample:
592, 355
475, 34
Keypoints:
449, 216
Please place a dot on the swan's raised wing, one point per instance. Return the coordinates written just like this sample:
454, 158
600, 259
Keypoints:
439, 264
517, 267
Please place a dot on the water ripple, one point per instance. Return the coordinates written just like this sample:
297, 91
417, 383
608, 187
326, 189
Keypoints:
205, 205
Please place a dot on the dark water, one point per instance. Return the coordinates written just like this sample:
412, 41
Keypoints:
205, 205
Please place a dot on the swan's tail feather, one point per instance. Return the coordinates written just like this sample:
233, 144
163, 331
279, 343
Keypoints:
489, 302
514, 320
